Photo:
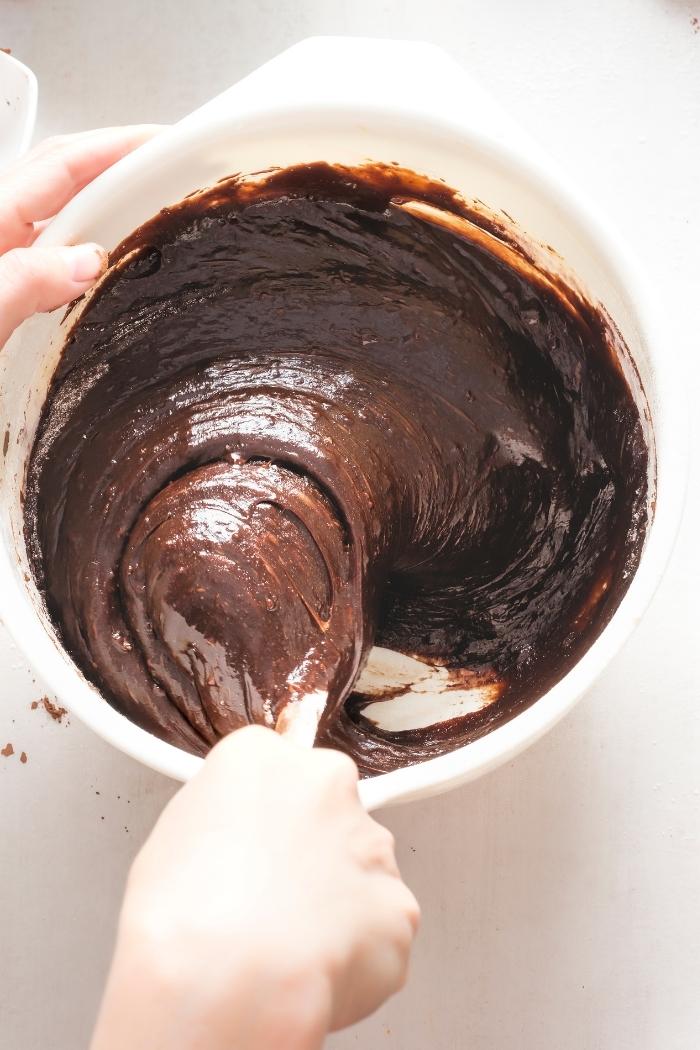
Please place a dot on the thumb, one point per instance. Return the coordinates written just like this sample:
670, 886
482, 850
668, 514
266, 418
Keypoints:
36, 279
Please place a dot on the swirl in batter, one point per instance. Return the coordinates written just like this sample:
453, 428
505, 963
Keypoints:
321, 411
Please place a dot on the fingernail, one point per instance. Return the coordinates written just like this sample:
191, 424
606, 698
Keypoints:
86, 262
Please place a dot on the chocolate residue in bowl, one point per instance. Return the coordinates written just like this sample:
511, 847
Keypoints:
324, 410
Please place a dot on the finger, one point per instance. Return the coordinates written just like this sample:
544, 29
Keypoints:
380, 962
39, 185
36, 279
250, 738
379, 851
410, 908
39, 228
397, 921
337, 769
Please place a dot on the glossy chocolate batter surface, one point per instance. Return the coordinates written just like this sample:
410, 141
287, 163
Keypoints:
328, 410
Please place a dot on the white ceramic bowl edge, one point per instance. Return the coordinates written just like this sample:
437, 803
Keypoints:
411, 104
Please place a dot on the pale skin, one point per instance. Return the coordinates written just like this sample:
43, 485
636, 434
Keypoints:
266, 908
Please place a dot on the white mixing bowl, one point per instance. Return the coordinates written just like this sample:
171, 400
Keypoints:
347, 101
18, 92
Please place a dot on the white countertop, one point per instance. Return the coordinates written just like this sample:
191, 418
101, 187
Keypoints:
561, 894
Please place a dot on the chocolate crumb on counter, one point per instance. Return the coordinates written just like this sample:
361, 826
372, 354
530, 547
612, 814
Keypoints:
53, 710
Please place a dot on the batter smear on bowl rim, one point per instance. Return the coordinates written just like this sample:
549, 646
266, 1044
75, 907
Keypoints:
325, 410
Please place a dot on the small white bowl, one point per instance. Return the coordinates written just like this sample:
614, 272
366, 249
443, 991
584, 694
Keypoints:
347, 101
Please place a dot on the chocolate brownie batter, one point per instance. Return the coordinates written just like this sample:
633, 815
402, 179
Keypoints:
323, 410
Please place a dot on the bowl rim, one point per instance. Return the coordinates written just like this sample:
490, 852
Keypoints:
30, 98
670, 424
